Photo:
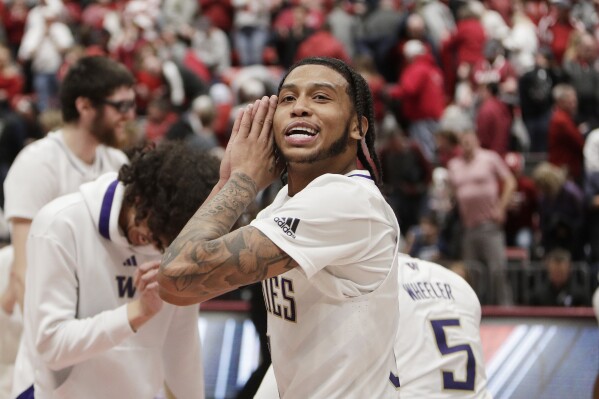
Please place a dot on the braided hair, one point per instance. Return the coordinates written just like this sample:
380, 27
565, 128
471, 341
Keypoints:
359, 94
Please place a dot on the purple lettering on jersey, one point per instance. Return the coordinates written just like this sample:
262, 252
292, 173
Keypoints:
412, 265
426, 290
419, 284
412, 291
104, 222
276, 308
265, 293
441, 291
430, 289
448, 290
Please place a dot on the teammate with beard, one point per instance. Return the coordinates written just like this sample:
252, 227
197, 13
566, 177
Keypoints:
324, 249
97, 100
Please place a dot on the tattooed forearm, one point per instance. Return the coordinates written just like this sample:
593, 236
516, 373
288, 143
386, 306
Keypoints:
216, 217
206, 260
225, 264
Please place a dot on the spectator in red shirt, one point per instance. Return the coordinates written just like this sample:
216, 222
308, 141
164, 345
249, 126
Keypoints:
496, 68
421, 95
463, 48
566, 142
364, 65
522, 210
493, 120
160, 117
220, 12
555, 29
322, 43
11, 79
13, 18
286, 40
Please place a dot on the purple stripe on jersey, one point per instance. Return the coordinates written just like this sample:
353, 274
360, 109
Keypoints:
105, 210
27, 394
360, 175
394, 380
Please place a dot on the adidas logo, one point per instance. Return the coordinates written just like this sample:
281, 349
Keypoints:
130, 261
288, 225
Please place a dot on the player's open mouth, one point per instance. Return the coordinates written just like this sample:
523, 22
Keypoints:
302, 131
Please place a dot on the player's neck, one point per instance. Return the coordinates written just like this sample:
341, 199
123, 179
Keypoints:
299, 175
81, 142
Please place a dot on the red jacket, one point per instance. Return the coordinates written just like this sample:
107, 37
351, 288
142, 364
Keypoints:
421, 90
493, 123
468, 41
322, 44
565, 143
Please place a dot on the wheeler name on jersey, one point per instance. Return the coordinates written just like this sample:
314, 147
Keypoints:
419, 290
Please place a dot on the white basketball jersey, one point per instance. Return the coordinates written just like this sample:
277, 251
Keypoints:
47, 169
438, 343
332, 321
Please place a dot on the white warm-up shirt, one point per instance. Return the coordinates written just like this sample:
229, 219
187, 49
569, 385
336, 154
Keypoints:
46, 169
332, 321
438, 344
77, 337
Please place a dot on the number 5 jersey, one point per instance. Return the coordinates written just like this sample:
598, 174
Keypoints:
438, 343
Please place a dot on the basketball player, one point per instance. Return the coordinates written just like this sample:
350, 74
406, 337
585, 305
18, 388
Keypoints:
438, 345
325, 247
97, 100
95, 326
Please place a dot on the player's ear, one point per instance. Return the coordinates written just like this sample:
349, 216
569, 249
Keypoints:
355, 130
83, 105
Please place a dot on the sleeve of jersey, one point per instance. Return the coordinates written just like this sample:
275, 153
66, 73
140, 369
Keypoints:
29, 185
323, 225
60, 338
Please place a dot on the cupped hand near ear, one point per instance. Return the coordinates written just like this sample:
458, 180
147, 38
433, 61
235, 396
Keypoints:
251, 148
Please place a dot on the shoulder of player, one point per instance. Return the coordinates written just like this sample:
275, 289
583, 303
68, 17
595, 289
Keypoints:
350, 189
420, 270
113, 155
39, 151
59, 214
449, 276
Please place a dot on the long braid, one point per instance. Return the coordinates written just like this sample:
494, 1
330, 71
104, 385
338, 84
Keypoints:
360, 94
364, 107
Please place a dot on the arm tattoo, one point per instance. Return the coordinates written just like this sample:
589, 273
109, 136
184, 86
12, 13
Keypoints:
209, 259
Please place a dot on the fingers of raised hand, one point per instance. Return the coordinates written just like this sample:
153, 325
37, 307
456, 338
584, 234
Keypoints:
245, 123
236, 125
262, 120
271, 103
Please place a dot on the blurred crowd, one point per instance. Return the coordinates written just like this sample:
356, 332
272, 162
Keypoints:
516, 81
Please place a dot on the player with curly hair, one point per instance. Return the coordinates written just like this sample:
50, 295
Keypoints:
92, 299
